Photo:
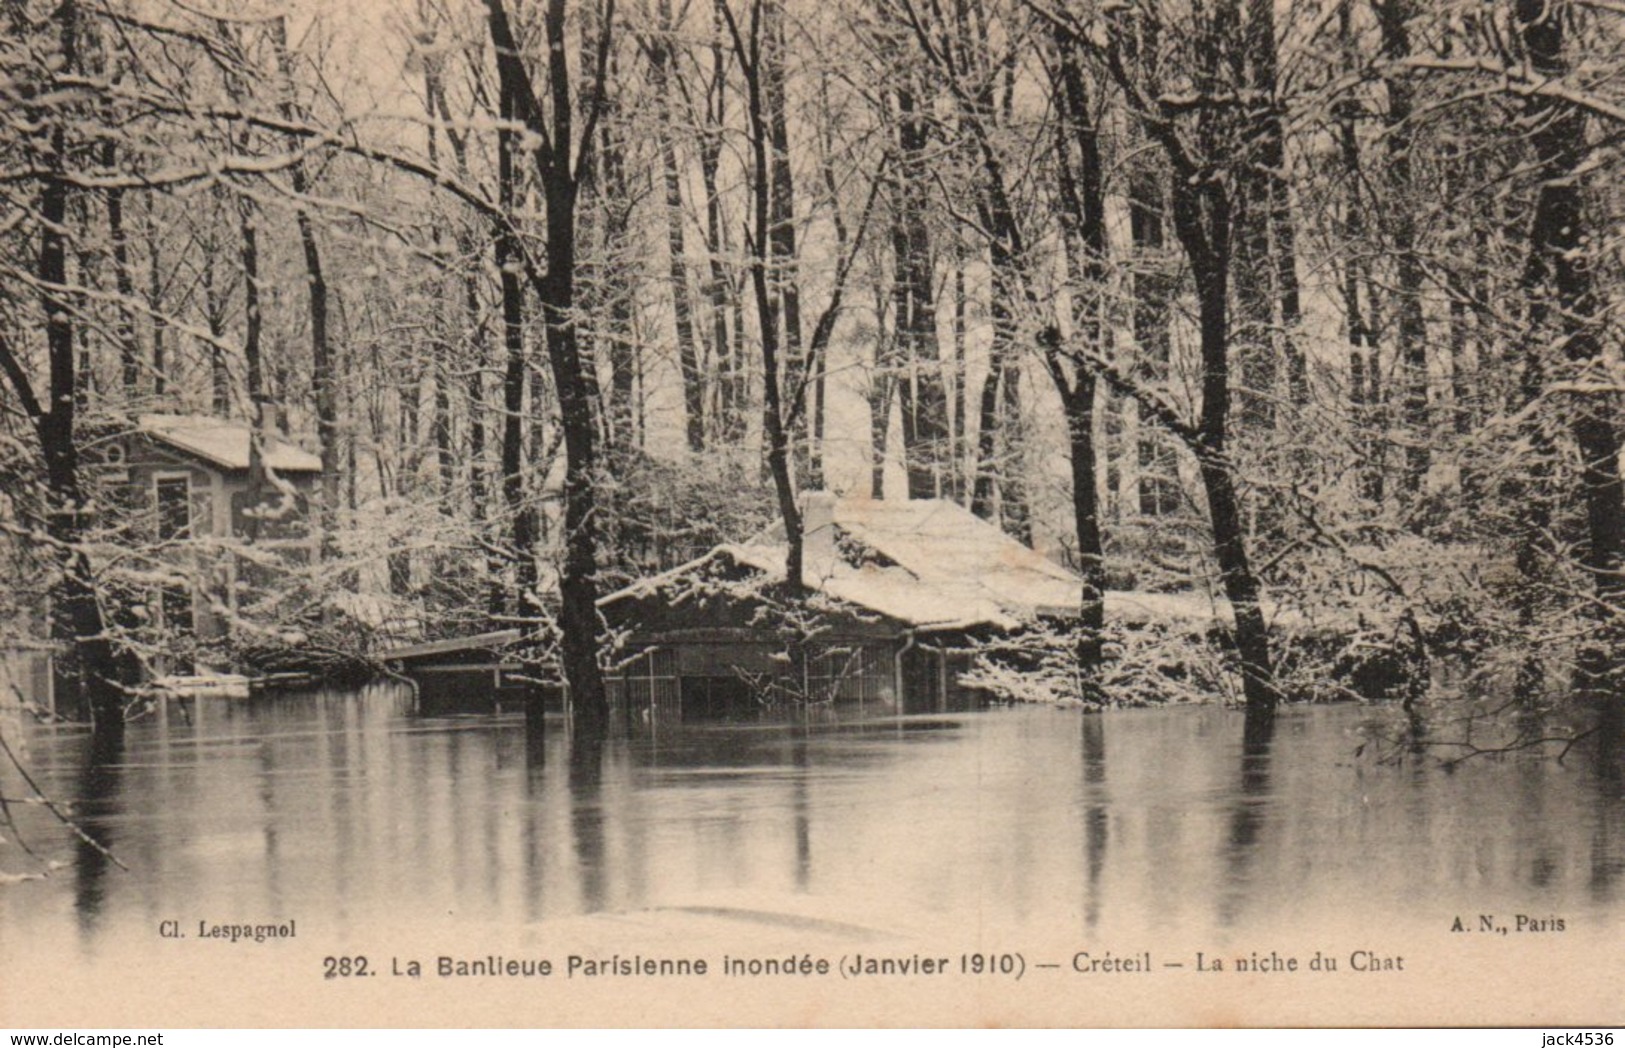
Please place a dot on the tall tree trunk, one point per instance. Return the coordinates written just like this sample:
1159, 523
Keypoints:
1218, 479
688, 348
921, 395
764, 253
124, 330
986, 468
882, 383
1394, 17
1015, 513
86, 671
253, 365
214, 316
1564, 309
1156, 482
605, 287
1253, 331
958, 458
1202, 213
560, 165
1263, 65
1083, 205
155, 302
781, 232
440, 344
725, 301
880, 401
322, 378
1224, 506
521, 523
1365, 404
323, 384
474, 397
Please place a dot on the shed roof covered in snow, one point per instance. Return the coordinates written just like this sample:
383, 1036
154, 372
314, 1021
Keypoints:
224, 442
927, 563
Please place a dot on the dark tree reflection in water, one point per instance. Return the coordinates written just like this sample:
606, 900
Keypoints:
97, 807
1096, 817
1249, 813
587, 818
799, 807
348, 812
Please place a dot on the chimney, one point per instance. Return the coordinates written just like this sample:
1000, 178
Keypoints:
818, 555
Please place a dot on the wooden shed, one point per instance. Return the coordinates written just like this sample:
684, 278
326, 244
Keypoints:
899, 587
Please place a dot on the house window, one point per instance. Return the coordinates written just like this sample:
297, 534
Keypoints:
174, 497
174, 508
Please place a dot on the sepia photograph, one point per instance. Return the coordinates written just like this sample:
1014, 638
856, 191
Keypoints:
812, 513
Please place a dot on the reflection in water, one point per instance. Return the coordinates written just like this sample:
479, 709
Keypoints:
96, 811
1606, 851
535, 732
800, 808
271, 826
345, 811
1095, 817
587, 818
1248, 812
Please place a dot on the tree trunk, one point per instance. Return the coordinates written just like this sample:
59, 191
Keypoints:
986, 473
254, 368
474, 398
214, 316
959, 456
1394, 18
880, 398
521, 524
1564, 309
1263, 63
1202, 213
1218, 481
1082, 191
323, 385
781, 231
921, 395
322, 378
1252, 334
560, 165
765, 222
1359, 322
722, 293
155, 301
87, 670
1156, 483
688, 355
124, 332
1015, 514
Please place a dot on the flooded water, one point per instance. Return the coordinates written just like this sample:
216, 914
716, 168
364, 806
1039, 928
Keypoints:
378, 831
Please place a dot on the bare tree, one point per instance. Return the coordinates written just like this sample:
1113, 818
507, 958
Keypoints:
562, 160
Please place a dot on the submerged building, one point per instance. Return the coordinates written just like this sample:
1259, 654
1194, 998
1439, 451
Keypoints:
899, 589
189, 487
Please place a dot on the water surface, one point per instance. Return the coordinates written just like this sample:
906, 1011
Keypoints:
1134, 829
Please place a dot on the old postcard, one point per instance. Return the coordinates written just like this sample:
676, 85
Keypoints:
557, 513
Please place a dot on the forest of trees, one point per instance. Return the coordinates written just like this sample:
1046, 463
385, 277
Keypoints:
1312, 305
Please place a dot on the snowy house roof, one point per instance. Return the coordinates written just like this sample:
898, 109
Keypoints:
928, 563
224, 442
